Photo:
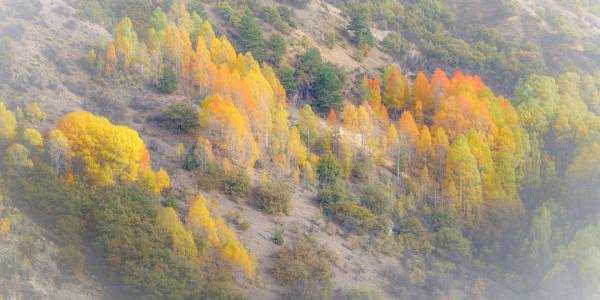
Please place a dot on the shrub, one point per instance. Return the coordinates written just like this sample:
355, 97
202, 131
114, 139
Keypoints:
198, 7
363, 167
450, 243
328, 169
395, 45
441, 218
237, 185
190, 163
413, 235
274, 197
238, 220
278, 238
377, 198
178, 117
278, 47
354, 217
287, 79
133, 246
332, 194
305, 267
212, 177
331, 38
167, 83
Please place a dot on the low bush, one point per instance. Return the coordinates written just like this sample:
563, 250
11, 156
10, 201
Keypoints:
180, 118
377, 198
305, 267
237, 185
274, 197
354, 217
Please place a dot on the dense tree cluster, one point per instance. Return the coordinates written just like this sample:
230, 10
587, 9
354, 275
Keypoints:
90, 183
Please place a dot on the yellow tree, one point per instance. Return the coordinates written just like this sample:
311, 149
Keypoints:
206, 33
186, 53
111, 59
423, 147
296, 151
396, 90
408, 127
308, 126
57, 147
182, 239
422, 92
462, 180
225, 126
218, 235
173, 46
125, 41
34, 113
104, 152
33, 138
8, 123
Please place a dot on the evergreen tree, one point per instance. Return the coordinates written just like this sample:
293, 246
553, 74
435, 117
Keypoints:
251, 39
168, 81
326, 88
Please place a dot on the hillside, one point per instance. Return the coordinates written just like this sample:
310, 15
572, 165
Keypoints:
298, 149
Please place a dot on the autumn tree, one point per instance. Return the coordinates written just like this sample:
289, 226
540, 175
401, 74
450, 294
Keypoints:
104, 153
308, 126
8, 123
422, 92
57, 148
462, 180
227, 129
181, 239
395, 90
201, 222
17, 156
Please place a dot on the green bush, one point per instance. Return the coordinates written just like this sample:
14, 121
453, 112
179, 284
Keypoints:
354, 217
211, 178
328, 169
178, 117
274, 197
237, 185
278, 47
359, 28
305, 267
287, 79
377, 198
198, 7
450, 243
395, 45
413, 235
330, 195
190, 163
278, 238
167, 82
135, 249
363, 168
441, 218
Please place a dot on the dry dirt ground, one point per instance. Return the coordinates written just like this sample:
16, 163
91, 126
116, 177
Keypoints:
50, 43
